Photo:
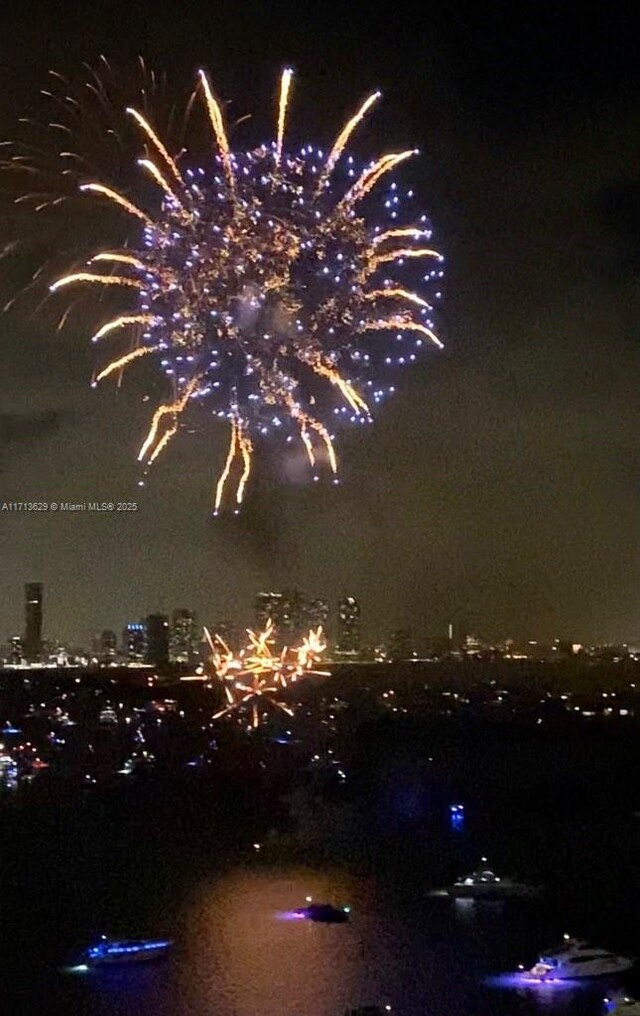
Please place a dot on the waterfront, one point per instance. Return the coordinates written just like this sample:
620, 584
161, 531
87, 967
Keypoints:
557, 810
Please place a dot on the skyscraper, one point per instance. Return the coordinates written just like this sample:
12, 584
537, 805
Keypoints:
157, 638
400, 644
267, 608
317, 614
108, 646
16, 650
33, 621
348, 637
291, 621
134, 641
184, 636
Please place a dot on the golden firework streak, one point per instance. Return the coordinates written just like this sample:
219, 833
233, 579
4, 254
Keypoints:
118, 199
227, 466
407, 252
122, 259
159, 179
215, 115
356, 402
105, 280
411, 231
402, 324
246, 449
155, 141
343, 137
122, 322
239, 445
305, 421
398, 294
174, 409
369, 178
285, 86
124, 360
306, 440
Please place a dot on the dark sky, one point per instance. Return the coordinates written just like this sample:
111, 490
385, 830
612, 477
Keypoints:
499, 490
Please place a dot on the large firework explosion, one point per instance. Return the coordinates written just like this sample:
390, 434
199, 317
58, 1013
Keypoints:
254, 678
274, 287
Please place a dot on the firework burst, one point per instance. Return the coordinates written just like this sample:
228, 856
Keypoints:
254, 679
276, 287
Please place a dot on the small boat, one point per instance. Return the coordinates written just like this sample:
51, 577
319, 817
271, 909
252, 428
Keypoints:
622, 1005
107, 951
324, 913
577, 959
483, 883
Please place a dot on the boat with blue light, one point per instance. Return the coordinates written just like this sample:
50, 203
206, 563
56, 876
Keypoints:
106, 951
324, 913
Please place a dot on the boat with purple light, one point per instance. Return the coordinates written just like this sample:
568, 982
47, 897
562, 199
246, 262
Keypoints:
577, 959
323, 913
106, 951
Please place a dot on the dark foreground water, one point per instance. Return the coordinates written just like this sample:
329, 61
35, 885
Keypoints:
173, 860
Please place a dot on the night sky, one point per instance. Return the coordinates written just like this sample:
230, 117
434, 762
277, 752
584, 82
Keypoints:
499, 489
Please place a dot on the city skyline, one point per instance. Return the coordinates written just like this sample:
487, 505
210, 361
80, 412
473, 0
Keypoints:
497, 489
292, 611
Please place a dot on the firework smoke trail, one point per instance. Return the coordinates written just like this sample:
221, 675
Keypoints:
277, 289
254, 678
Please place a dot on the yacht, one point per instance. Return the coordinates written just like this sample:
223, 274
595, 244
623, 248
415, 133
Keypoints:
483, 883
108, 950
622, 1005
574, 958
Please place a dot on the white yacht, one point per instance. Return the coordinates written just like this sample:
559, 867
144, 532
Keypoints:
573, 959
107, 951
622, 1005
483, 883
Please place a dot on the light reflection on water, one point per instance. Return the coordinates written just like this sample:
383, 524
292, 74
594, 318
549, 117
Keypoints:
240, 952
234, 957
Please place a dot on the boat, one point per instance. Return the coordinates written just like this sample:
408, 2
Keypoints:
108, 951
483, 883
324, 913
622, 1005
576, 959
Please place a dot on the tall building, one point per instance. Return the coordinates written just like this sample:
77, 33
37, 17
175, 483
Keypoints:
317, 614
184, 636
108, 646
400, 645
157, 638
33, 621
292, 615
348, 634
16, 650
134, 642
267, 608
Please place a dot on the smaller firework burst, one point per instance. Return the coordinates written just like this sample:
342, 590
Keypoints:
254, 678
